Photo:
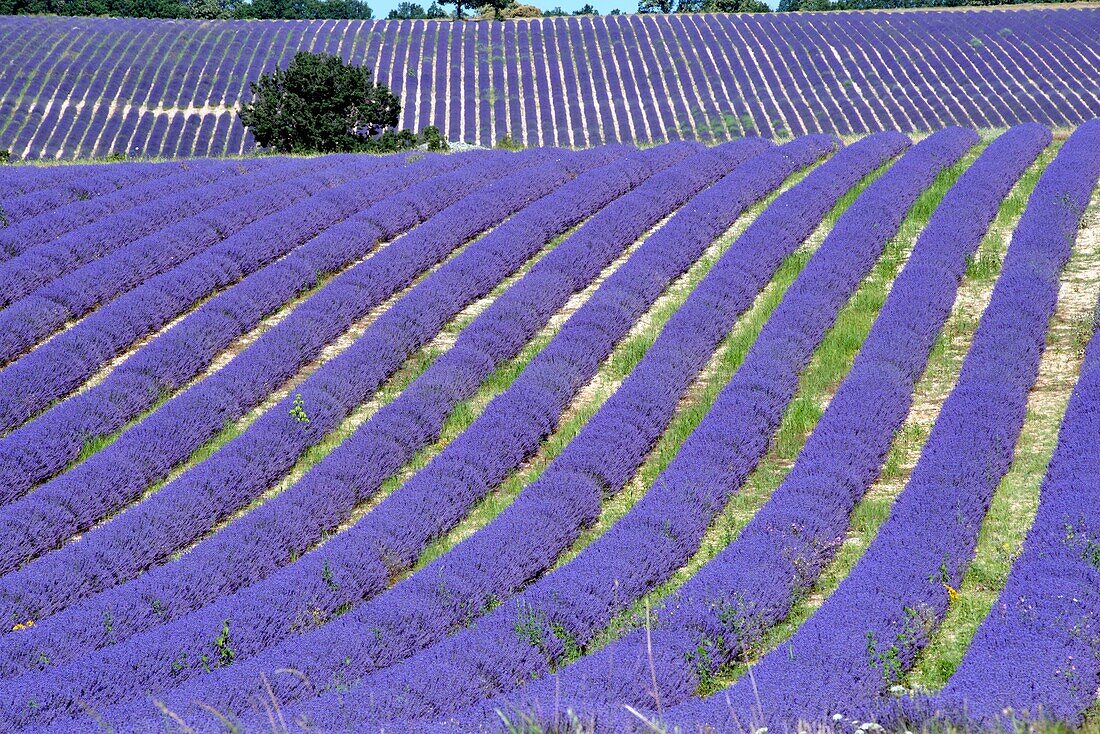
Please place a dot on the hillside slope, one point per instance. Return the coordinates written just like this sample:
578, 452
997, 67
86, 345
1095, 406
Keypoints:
80, 87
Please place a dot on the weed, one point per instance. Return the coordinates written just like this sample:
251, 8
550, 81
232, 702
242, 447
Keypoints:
298, 410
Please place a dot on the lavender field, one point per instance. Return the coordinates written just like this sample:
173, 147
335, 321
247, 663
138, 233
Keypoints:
677, 438
83, 87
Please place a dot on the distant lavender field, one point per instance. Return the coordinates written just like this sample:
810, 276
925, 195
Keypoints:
80, 87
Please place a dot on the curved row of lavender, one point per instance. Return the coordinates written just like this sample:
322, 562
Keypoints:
345, 571
198, 233
720, 615
83, 87
1036, 654
1035, 657
46, 445
513, 424
847, 655
300, 515
583, 337
104, 615
74, 186
531, 634
36, 253
113, 479
17, 237
533, 531
57, 185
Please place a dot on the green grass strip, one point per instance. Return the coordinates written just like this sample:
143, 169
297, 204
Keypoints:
817, 383
1013, 507
622, 360
413, 366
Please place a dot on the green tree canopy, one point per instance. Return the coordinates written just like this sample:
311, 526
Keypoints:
319, 104
416, 11
499, 6
461, 6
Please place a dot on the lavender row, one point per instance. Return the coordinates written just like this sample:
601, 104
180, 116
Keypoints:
79, 187
62, 280
190, 505
532, 633
208, 246
722, 613
31, 278
222, 563
152, 660
65, 247
49, 443
1036, 654
574, 81
1034, 658
863, 638
22, 180
82, 218
456, 588
362, 560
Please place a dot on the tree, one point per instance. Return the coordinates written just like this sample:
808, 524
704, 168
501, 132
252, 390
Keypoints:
304, 9
499, 6
512, 10
735, 6
586, 9
521, 10
460, 6
703, 6
416, 11
319, 104
209, 10
407, 11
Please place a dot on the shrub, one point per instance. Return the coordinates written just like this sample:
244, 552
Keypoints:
319, 104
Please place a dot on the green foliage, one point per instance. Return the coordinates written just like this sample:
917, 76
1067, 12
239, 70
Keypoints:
329, 578
433, 139
704, 6
305, 9
891, 661
319, 104
224, 646
298, 410
509, 143
461, 6
209, 10
529, 627
416, 11
498, 7
5, 156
